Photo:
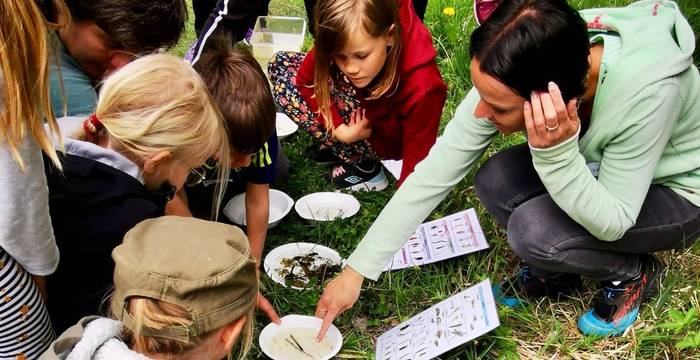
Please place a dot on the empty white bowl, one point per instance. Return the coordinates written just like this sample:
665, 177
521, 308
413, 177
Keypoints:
327, 206
285, 126
280, 205
273, 339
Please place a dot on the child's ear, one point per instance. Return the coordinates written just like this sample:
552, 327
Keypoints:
117, 59
151, 164
391, 36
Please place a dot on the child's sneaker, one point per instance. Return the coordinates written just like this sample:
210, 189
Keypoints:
515, 292
484, 8
618, 305
365, 176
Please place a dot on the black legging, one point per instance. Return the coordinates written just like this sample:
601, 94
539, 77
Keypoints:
242, 13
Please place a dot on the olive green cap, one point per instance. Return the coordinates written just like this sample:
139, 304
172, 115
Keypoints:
204, 267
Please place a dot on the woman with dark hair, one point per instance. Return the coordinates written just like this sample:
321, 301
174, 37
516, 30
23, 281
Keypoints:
609, 100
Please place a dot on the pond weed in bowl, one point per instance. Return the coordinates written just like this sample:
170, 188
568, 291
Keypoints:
327, 206
280, 205
302, 266
295, 339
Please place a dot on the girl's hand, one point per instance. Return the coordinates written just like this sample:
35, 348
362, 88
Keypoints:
360, 127
339, 295
548, 120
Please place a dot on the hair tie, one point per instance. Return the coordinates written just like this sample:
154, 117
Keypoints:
92, 125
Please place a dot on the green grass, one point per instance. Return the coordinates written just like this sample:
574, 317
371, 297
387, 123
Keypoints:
543, 330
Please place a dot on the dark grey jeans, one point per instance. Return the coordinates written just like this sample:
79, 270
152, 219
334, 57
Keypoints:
544, 236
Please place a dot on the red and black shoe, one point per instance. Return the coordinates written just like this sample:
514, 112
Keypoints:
618, 304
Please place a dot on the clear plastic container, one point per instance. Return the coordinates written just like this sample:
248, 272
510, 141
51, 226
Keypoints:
272, 34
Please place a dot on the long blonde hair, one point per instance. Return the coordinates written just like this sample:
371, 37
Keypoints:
159, 103
155, 314
24, 92
336, 21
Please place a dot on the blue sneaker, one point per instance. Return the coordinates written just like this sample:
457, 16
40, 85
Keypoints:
618, 305
515, 292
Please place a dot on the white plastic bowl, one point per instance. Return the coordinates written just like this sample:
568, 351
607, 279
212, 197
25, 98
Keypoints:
280, 205
273, 260
300, 326
285, 126
327, 206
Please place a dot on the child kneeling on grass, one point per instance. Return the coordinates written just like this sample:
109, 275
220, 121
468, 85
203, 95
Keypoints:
242, 93
184, 288
155, 122
369, 90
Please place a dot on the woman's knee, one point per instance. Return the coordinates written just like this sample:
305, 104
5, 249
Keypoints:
500, 171
532, 231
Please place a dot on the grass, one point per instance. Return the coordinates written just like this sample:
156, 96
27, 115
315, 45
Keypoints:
668, 327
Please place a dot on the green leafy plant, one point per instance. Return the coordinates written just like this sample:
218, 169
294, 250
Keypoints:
691, 341
680, 320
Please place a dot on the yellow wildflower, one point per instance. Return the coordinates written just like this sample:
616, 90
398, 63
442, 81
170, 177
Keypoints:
449, 11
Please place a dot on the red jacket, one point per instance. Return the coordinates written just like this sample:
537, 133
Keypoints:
404, 123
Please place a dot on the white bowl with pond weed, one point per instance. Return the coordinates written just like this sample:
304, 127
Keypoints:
302, 265
284, 126
295, 339
273, 34
327, 206
280, 205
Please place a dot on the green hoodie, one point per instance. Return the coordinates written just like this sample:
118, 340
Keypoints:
644, 129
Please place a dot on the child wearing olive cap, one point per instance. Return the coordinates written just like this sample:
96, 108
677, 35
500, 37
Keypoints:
184, 288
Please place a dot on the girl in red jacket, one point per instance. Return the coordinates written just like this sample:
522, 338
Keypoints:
369, 90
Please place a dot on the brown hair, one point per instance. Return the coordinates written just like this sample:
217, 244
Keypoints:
137, 26
24, 84
155, 314
336, 21
241, 90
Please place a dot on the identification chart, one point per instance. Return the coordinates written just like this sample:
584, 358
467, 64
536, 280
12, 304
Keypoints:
441, 239
450, 323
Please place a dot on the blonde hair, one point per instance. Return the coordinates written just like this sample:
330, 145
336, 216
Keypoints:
336, 21
24, 92
159, 103
155, 314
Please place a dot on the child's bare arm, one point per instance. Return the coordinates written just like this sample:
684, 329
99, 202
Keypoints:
257, 209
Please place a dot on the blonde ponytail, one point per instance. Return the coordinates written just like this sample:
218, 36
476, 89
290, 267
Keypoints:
159, 103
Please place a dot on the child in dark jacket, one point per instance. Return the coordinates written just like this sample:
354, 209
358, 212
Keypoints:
155, 122
369, 90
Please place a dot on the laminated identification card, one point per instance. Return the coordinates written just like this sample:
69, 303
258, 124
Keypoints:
441, 239
452, 322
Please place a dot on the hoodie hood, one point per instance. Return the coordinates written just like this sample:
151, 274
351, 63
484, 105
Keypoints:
652, 30
416, 40
94, 338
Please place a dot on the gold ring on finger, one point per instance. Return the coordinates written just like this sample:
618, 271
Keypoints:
551, 128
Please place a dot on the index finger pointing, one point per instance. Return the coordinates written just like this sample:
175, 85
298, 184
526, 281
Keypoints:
327, 321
